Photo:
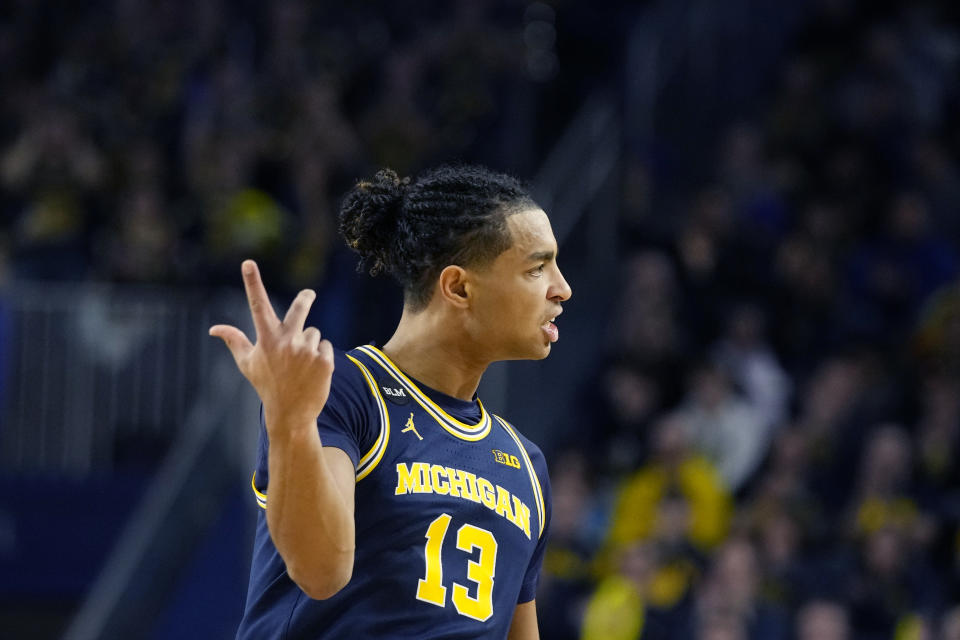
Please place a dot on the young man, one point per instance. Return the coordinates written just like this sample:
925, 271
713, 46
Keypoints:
395, 505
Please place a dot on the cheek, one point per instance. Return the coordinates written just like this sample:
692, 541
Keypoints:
497, 312
512, 307
511, 314
527, 315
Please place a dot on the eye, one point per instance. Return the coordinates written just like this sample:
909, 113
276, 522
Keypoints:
537, 272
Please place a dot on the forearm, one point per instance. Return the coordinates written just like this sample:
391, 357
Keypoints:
309, 516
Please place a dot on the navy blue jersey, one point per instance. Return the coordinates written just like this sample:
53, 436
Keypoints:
452, 508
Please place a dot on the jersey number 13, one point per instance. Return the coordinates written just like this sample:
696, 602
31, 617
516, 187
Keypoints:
480, 571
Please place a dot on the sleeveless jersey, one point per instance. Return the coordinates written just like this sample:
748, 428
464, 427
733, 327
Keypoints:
452, 510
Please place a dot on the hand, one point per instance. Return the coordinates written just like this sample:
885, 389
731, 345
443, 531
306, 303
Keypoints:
289, 366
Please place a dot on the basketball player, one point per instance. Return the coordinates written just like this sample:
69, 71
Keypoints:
395, 505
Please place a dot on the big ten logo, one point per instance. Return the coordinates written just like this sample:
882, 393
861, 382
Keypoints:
506, 458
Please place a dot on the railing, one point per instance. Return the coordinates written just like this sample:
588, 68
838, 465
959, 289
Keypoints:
183, 500
98, 377
95, 374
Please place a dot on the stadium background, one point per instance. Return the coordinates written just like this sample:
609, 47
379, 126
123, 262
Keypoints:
752, 418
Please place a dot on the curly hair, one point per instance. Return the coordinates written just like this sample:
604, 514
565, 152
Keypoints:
412, 229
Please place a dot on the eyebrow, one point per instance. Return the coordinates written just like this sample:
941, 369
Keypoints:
541, 256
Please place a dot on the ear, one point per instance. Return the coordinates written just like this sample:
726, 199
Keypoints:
452, 285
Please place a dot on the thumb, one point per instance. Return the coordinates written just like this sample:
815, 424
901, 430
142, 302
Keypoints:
236, 340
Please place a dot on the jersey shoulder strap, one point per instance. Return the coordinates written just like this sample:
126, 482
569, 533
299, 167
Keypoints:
369, 460
531, 471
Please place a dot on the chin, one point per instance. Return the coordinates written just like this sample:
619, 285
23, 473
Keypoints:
535, 349
544, 352
530, 354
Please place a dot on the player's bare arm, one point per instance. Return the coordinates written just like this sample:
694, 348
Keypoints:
524, 623
310, 511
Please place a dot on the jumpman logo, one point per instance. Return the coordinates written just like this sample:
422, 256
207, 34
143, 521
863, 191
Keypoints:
410, 427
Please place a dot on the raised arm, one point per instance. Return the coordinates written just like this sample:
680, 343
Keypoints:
310, 505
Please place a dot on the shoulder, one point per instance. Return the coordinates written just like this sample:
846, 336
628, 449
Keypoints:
352, 395
345, 368
534, 453
351, 419
352, 379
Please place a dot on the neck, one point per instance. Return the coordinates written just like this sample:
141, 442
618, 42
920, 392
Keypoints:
431, 349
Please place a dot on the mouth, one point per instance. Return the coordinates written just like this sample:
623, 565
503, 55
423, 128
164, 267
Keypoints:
550, 329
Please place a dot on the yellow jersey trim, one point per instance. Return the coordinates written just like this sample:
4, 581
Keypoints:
372, 458
471, 433
261, 497
534, 480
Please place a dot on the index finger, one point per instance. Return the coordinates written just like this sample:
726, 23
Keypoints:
264, 318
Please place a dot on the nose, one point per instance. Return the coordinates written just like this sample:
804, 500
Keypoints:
560, 291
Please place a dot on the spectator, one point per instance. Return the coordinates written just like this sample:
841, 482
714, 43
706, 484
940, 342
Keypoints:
677, 472
950, 624
616, 610
752, 365
730, 432
889, 277
823, 620
732, 591
883, 497
630, 401
889, 586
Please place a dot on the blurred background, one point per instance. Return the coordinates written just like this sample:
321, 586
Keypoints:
752, 419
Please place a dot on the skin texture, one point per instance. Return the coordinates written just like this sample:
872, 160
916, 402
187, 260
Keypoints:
475, 316
524, 624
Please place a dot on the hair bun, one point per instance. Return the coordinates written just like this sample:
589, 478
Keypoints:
369, 217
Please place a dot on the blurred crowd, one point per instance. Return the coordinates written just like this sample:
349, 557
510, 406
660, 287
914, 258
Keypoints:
159, 142
772, 447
